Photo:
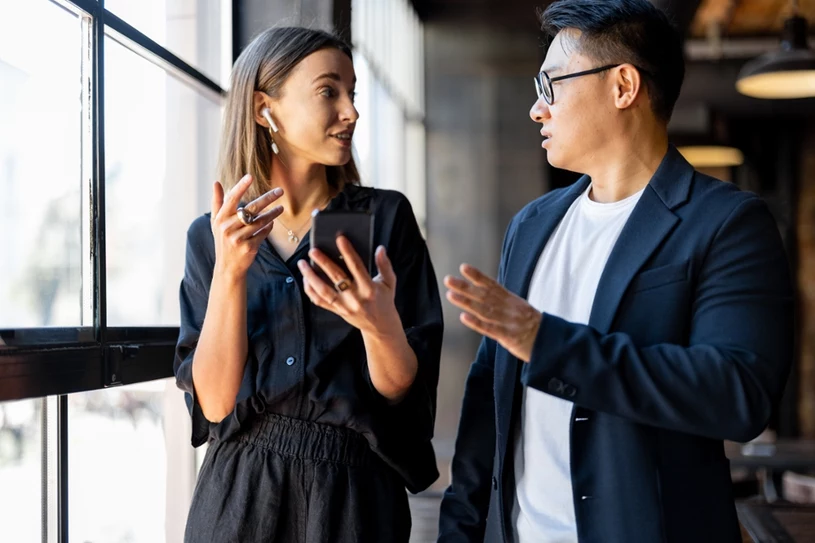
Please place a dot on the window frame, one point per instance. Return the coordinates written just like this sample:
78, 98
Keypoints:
52, 362
38, 362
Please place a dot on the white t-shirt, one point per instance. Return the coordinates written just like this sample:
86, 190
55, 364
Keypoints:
563, 284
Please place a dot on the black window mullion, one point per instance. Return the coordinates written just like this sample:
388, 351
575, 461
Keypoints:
98, 239
44, 457
62, 469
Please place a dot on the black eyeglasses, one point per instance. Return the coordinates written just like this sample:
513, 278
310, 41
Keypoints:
543, 83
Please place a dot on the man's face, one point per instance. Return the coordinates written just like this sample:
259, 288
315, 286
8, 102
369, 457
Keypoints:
573, 125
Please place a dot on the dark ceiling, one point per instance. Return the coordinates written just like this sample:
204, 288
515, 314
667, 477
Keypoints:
747, 27
734, 18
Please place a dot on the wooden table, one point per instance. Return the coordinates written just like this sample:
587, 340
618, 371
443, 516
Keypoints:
769, 460
776, 523
794, 454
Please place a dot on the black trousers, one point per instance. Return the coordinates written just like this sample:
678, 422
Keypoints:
283, 480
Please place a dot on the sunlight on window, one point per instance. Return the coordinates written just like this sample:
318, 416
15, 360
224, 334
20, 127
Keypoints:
20, 471
118, 464
162, 142
40, 166
389, 63
195, 31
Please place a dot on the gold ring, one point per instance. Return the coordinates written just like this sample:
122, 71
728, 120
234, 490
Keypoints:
245, 216
342, 285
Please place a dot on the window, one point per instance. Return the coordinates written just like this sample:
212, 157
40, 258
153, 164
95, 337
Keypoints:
21, 452
389, 62
117, 468
40, 211
107, 153
196, 31
29, 470
160, 157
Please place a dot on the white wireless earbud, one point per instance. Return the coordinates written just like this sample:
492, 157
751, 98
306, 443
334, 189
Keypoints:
272, 127
268, 116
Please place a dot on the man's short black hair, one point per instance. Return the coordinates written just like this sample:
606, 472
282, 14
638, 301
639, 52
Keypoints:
626, 31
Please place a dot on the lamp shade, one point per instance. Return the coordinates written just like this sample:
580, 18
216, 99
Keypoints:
786, 73
711, 156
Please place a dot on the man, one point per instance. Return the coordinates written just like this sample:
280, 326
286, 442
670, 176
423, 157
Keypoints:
640, 316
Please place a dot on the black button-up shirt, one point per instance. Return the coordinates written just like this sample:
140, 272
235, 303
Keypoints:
308, 363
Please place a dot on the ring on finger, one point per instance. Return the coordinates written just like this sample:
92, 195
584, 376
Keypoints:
245, 216
342, 285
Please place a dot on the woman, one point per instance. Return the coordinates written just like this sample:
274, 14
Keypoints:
317, 399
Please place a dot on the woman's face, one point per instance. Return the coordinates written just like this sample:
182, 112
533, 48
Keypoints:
315, 111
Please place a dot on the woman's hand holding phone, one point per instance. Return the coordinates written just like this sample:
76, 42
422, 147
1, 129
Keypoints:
236, 243
362, 301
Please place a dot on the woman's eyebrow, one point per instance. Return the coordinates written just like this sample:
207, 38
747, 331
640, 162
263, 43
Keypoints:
331, 75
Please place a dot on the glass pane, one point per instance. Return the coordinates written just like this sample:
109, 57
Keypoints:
21, 471
161, 148
130, 464
40, 166
379, 138
364, 135
389, 147
198, 31
415, 175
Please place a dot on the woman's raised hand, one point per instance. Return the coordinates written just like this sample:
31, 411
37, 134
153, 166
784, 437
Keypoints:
237, 242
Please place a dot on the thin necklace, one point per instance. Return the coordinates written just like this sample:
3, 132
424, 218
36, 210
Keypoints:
293, 237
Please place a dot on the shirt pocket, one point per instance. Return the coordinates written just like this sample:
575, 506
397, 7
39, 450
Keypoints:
661, 276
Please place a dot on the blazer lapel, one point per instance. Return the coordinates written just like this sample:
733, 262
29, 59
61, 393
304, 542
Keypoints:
531, 237
527, 245
650, 223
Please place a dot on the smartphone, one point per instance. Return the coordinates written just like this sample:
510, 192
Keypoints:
357, 226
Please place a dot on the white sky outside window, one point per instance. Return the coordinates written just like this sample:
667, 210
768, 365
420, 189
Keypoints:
129, 447
40, 166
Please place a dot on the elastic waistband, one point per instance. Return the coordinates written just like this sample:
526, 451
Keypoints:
307, 440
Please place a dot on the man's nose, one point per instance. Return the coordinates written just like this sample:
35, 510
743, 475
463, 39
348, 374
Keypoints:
539, 111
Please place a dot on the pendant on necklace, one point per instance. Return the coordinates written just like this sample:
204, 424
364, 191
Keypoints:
292, 237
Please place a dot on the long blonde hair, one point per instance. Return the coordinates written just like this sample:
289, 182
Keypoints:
265, 65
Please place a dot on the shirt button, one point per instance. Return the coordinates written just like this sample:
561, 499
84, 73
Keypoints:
290, 361
290, 280
495, 483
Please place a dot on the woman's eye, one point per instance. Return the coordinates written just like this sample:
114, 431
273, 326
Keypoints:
328, 92
353, 95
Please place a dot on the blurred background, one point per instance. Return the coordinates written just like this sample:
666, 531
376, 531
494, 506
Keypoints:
109, 123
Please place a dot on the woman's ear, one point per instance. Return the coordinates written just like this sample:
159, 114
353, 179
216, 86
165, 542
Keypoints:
262, 110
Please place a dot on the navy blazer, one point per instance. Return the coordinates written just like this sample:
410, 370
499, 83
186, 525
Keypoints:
689, 343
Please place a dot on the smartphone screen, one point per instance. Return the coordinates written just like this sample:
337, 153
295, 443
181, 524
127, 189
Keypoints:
357, 226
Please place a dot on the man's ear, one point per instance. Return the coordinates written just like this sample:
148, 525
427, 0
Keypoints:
627, 85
